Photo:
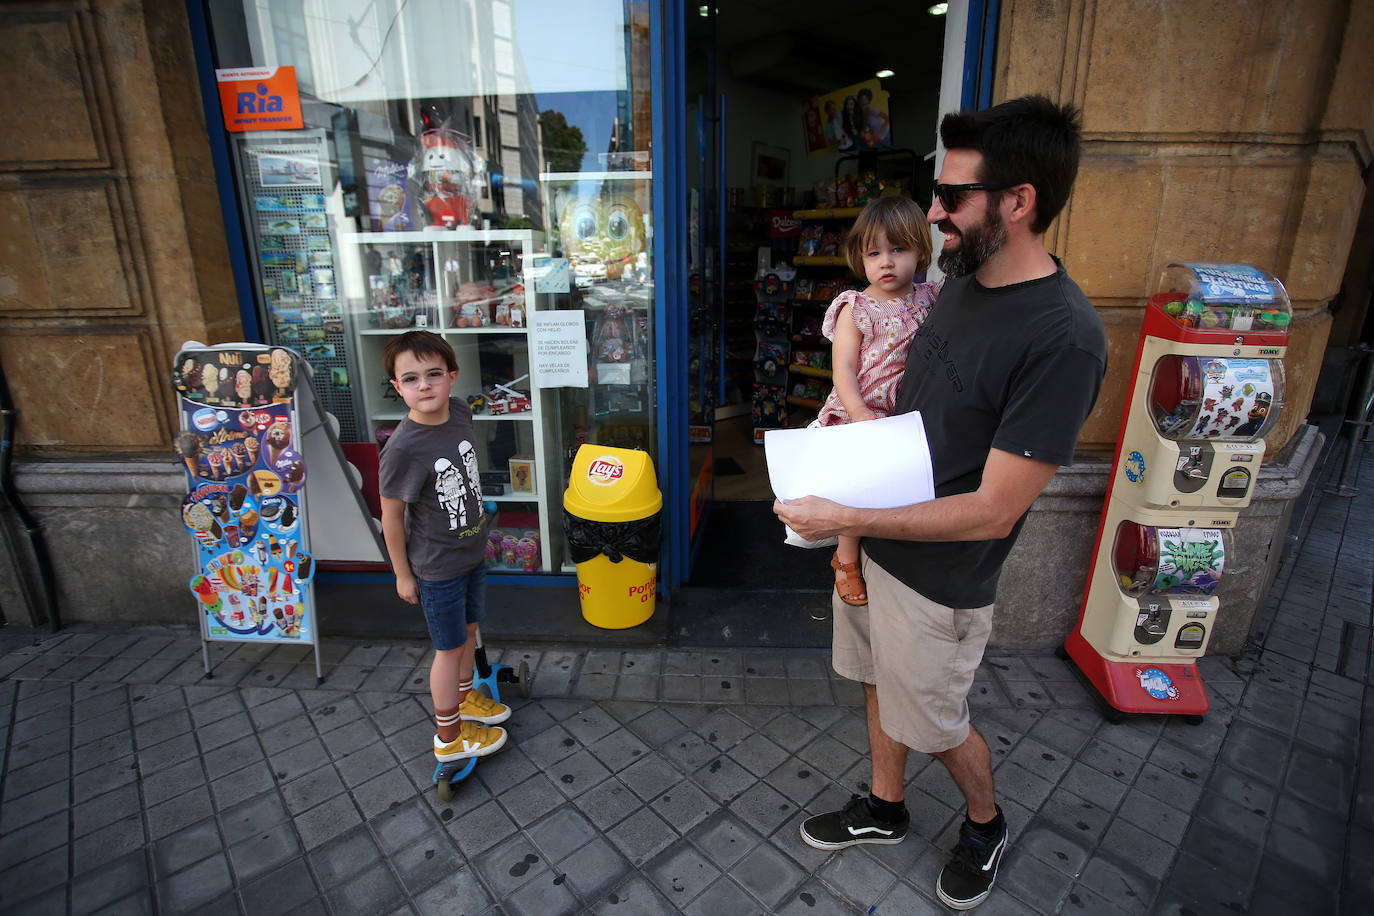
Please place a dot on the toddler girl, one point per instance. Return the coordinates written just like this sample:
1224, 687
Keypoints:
889, 245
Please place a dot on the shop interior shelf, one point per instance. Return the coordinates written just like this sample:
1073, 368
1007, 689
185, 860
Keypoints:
829, 213
811, 371
820, 260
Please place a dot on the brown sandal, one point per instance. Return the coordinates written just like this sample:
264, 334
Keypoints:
853, 584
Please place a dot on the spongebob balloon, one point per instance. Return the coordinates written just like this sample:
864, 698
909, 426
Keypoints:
602, 234
448, 173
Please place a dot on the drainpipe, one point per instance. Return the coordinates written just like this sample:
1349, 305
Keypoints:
1357, 423
48, 603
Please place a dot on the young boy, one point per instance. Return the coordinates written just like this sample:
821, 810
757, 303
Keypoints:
429, 472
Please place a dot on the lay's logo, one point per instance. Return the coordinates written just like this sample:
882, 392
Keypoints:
605, 470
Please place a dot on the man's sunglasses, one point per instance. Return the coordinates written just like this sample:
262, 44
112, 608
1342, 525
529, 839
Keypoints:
951, 196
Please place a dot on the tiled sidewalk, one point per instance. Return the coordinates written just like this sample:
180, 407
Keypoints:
674, 781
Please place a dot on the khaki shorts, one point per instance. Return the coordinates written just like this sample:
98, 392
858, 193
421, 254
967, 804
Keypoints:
921, 655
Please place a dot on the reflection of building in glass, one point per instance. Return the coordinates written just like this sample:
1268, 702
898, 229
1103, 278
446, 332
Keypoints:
379, 74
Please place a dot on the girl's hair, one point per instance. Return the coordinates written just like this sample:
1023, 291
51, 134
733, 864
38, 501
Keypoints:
901, 220
420, 344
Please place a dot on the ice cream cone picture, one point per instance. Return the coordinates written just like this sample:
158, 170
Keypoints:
187, 445
240, 450
276, 440
216, 463
281, 372
274, 546
251, 447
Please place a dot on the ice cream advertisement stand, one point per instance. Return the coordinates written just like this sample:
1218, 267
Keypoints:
252, 435
1207, 385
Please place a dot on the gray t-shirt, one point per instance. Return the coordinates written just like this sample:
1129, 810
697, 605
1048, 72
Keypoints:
434, 470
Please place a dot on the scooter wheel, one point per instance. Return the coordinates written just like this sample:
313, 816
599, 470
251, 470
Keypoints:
446, 792
524, 679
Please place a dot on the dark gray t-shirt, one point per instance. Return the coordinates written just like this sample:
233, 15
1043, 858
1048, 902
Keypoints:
434, 470
1016, 368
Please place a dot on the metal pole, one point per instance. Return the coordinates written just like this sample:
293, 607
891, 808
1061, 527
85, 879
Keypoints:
1357, 424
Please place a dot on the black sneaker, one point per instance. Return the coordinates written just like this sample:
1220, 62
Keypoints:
854, 823
965, 881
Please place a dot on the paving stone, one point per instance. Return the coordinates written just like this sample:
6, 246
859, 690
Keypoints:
480, 827
814, 899
1154, 816
191, 889
684, 806
427, 860
374, 890
641, 836
637, 896
100, 888
1322, 858
1032, 881
608, 803
1319, 780
1146, 852
531, 800
681, 872
857, 877
459, 892
280, 891
767, 874
326, 821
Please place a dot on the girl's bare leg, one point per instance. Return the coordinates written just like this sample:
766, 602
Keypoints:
848, 552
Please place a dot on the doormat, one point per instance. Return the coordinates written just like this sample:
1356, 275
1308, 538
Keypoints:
728, 467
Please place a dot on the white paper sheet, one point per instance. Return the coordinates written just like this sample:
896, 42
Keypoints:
877, 464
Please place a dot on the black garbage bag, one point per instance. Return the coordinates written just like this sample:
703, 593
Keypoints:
637, 540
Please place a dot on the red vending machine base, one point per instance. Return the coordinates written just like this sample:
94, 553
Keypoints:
1140, 687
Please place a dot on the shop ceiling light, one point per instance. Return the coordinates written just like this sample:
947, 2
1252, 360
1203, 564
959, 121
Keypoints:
704, 11
883, 74
938, 9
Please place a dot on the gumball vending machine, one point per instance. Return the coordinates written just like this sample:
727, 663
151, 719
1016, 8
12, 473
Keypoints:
1207, 385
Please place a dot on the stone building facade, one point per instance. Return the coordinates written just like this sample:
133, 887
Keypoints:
1214, 130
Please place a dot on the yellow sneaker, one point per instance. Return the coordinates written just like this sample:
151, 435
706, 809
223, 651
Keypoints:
474, 740
478, 707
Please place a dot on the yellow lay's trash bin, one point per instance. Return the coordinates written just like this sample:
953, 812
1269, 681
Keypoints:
611, 518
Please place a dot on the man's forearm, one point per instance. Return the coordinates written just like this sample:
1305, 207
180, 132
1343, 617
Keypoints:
961, 517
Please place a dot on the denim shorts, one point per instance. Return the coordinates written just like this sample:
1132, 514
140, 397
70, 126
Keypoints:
451, 605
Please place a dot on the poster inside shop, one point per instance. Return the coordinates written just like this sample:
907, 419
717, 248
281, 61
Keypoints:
241, 451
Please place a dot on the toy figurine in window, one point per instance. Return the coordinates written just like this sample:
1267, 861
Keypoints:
447, 172
612, 343
603, 235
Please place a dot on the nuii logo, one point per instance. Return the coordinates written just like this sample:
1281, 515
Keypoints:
605, 470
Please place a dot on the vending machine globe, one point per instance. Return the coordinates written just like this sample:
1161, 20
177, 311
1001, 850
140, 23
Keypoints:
1207, 386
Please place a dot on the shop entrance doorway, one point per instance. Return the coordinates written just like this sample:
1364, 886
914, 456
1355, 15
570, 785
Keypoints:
794, 120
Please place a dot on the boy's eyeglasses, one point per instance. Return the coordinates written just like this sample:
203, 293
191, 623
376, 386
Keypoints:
951, 196
432, 377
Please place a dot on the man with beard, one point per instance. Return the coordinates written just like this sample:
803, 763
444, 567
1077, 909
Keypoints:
1004, 372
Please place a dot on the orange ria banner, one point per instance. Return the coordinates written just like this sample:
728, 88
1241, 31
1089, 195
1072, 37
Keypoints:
260, 98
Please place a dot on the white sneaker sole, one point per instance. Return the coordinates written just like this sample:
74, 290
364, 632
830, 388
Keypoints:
488, 720
814, 843
481, 751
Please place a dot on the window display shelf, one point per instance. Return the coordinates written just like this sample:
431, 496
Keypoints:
430, 280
